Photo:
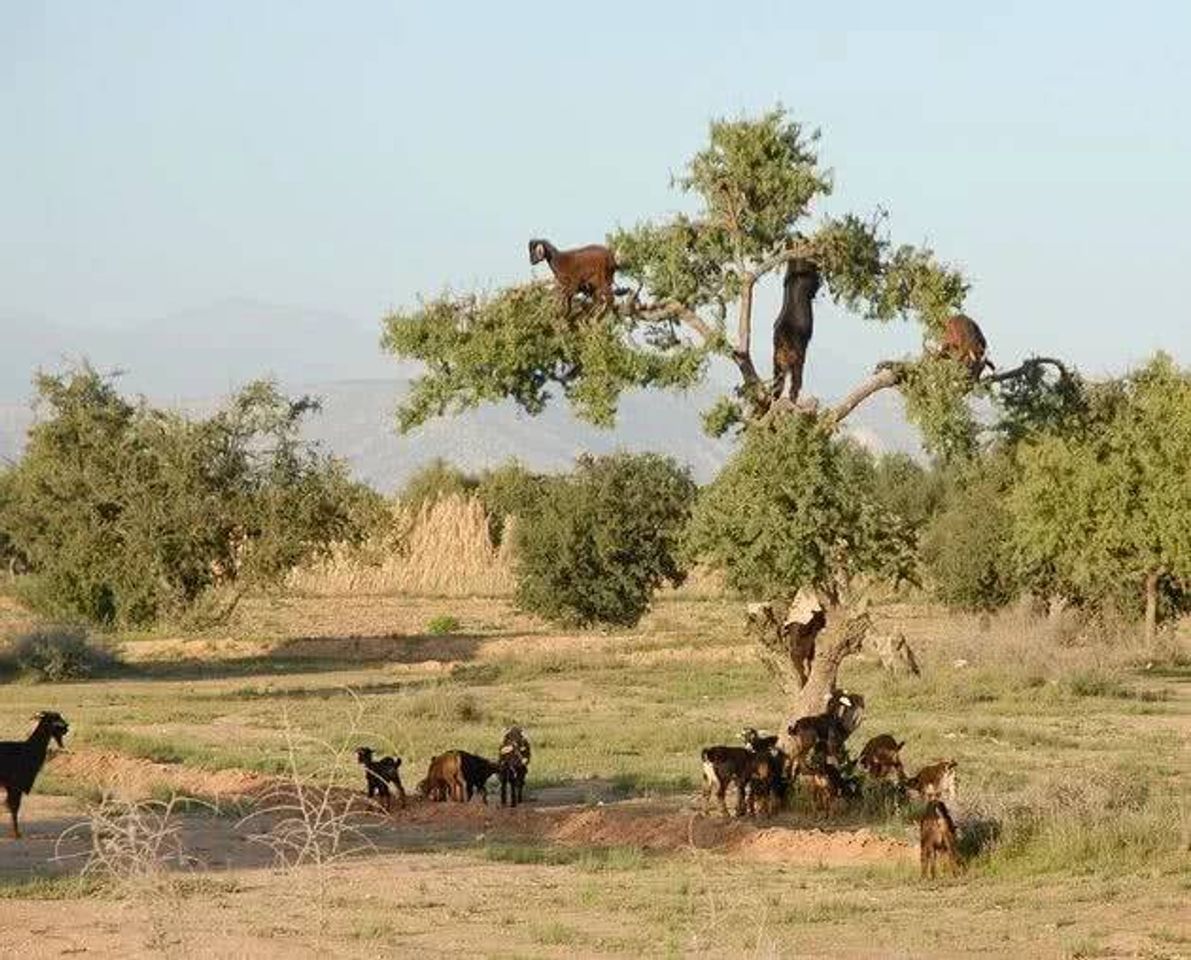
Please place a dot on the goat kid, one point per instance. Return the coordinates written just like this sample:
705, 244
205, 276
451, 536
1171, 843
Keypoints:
513, 762
21, 760
937, 840
754, 774
934, 782
378, 774
881, 757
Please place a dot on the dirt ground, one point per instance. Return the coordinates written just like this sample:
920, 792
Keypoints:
612, 855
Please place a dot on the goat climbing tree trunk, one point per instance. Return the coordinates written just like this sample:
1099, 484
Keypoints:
843, 636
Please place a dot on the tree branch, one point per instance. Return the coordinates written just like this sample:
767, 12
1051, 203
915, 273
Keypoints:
1026, 366
888, 374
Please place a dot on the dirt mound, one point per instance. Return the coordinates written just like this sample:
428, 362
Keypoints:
135, 778
677, 830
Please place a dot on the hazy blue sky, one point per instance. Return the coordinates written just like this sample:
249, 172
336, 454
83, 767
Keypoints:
345, 156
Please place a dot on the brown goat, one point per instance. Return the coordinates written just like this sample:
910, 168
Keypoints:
514, 764
825, 784
936, 838
590, 270
881, 757
964, 341
934, 782
444, 778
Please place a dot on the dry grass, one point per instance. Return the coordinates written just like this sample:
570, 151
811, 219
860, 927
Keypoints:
442, 549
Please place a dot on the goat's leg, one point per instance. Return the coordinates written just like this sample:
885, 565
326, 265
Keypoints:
400, 790
14, 805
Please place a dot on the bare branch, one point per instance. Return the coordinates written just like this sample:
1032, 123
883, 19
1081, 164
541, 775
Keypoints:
887, 375
1026, 366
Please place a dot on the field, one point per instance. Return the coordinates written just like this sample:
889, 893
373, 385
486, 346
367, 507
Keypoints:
1074, 766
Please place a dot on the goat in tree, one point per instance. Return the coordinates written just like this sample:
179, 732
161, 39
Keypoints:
793, 328
590, 270
964, 341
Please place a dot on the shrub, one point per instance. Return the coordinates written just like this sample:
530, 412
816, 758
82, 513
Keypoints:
508, 491
968, 548
797, 506
442, 625
433, 481
54, 655
598, 542
128, 514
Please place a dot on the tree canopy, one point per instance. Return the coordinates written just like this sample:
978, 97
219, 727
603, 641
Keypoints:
126, 513
755, 187
1107, 501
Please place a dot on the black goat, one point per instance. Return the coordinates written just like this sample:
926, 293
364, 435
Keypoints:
758, 743
590, 270
21, 760
378, 774
794, 327
755, 775
514, 764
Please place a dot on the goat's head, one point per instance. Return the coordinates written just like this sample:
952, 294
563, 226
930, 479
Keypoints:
364, 755
538, 250
53, 723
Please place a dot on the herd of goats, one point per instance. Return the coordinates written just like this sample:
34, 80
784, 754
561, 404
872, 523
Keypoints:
762, 772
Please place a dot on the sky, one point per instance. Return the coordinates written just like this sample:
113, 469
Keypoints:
345, 157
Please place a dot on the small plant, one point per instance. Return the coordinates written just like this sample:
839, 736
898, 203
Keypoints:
443, 625
53, 655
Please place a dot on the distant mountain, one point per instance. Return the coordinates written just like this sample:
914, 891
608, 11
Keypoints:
191, 359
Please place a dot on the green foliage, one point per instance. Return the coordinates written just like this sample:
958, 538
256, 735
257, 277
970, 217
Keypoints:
129, 514
908, 489
509, 490
436, 479
55, 654
516, 343
1099, 507
442, 625
936, 391
598, 542
754, 185
796, 506
968, 547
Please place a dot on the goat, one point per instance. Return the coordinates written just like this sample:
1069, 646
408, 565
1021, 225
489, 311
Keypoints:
827, 786
755, 775
22, 760
476, 771
881, 756
963, 341
757, 743
794, 327
514, 764
936, 838
444, 778
590, 270
378, 774
934, 782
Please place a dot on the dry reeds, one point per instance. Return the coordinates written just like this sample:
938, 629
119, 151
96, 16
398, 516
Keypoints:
441, 549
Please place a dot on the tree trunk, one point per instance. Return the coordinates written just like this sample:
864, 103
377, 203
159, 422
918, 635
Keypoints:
1151, 588
843, 636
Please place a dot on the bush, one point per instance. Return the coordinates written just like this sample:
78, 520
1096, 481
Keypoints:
442, 625
436, 479
508, 491
55, 655
968, 548
797, 506
598, 542
128, 514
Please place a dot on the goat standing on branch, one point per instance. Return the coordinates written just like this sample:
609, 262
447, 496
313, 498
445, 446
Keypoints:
590, 270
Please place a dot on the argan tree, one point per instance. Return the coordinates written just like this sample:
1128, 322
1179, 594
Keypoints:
1106, 503
693, 277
